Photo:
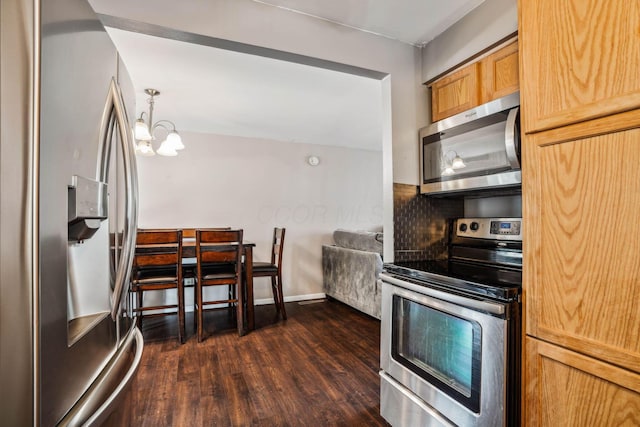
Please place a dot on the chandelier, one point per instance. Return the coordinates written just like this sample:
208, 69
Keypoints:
144, 133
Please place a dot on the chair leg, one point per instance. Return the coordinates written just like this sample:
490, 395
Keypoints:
231, 294
200, 312
239, 311
195, 304
181, 328
139, 308
274, 291
281, 297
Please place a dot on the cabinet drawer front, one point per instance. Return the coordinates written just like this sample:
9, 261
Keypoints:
564, 388
580, 60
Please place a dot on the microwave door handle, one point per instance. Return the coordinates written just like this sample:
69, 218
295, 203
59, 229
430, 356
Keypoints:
512, 138
115, 109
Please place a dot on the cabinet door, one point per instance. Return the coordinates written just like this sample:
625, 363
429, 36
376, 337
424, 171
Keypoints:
455, 93
582, 258
568, 389
499, 71
580, 60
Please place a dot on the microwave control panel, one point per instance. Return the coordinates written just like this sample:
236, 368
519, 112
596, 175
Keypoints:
490, 228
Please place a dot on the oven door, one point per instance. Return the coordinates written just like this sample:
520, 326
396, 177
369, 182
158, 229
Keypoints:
447, 350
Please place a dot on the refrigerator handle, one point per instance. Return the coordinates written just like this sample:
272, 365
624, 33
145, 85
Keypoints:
115, 114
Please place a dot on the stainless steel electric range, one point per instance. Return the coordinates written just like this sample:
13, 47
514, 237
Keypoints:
450, 342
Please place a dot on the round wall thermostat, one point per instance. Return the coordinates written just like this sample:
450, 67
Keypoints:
313, 160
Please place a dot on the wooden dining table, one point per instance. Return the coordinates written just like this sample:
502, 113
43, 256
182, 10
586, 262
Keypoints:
248, 316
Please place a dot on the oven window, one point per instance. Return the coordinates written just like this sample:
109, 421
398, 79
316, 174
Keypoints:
441, 348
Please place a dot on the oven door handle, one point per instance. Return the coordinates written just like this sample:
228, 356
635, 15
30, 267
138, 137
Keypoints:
478, 305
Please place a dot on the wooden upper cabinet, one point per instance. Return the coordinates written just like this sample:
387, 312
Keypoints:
580, 60
455, 93
492, 77
582, 253
499, 71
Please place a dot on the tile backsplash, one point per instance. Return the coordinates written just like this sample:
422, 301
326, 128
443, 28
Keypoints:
420, 223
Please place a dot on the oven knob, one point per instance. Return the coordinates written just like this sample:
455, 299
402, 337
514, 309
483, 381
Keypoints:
463, 227
475, 226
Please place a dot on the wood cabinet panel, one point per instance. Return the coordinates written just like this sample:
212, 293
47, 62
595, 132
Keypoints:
582, 252
580, 60
500, 73
455, 93
568, 389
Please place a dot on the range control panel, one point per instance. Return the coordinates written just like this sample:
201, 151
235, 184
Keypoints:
490, 228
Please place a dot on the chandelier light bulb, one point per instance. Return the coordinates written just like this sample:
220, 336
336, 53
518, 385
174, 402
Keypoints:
144, 148
166, 149
174, 140
141, 131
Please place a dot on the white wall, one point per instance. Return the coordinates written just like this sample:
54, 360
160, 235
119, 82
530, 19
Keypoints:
259, 184
487, 24
258, 24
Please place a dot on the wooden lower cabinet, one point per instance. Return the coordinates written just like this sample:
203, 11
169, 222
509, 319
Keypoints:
582, 252
565, 388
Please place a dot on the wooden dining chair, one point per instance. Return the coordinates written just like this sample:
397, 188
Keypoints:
273, 269
157, 266
219, 263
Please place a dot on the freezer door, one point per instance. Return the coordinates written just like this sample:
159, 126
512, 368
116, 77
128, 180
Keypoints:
84, 132
102, 404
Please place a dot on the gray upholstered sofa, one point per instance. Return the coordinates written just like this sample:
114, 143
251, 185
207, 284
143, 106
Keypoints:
351, 269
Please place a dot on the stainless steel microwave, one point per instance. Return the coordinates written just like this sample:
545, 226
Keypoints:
478, 149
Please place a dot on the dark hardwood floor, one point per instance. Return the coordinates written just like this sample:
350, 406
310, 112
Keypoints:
318, 368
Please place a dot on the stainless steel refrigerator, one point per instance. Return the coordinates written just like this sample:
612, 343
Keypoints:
68, 197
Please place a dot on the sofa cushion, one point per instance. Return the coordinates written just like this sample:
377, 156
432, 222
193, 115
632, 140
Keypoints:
368, 241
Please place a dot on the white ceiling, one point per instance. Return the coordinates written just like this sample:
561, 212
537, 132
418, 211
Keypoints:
210, 90
411, 21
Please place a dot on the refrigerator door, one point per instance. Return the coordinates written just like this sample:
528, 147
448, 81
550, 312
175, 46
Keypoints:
84, 141
124, 176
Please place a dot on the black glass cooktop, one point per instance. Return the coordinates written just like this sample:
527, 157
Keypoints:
497, 282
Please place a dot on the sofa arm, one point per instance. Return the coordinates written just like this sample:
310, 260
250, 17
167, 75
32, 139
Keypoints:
351, 276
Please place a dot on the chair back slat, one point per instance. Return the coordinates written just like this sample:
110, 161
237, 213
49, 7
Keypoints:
157, 259
278, 245
151, 237
219, 245
157, 248
222, 253
219, 235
